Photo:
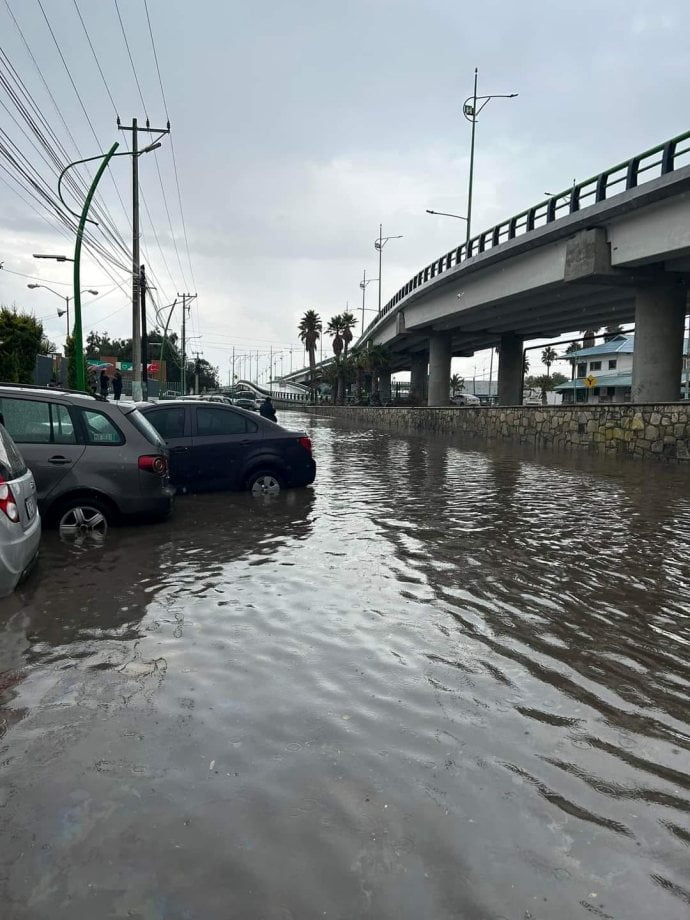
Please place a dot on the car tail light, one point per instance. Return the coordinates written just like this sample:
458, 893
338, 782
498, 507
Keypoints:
8, 505
153, 463
306, 444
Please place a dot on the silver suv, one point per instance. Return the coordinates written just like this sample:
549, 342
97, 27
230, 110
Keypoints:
94, 462
20, 523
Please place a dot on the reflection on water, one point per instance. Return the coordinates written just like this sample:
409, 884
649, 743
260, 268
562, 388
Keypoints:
442, 683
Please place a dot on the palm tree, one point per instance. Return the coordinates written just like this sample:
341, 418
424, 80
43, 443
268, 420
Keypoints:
348, 323
335, 328
310, 333
612, 330
377, 359
588, 336
573, 347
457, 384
548, 356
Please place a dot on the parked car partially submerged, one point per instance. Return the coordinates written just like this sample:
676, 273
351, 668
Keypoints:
20, 523
94, 462
214, 447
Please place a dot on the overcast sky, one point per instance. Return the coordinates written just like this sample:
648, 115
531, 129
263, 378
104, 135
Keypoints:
300, 126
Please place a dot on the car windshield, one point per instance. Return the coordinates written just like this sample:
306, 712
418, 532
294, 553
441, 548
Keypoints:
11, 461
144, 426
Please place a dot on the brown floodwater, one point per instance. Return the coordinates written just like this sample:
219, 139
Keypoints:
445, 682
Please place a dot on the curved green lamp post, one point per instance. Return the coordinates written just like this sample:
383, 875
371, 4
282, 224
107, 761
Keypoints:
77, 338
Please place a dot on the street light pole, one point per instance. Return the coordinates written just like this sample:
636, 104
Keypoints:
58, 294
363, 284
83, 218
471, 110
379, 244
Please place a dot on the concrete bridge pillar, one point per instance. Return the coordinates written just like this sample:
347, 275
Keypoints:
439, 369
385, 386
658, 356
510, 370
418, 379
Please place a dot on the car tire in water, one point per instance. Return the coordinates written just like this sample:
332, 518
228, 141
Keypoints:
83, 516
265, 482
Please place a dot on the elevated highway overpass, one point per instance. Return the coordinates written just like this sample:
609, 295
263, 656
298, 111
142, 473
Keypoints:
615, 247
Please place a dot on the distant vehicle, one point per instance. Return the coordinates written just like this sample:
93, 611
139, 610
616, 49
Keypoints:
466, 399
214, 447
93, 461
245, 402
216, 397
170, 394
20, 523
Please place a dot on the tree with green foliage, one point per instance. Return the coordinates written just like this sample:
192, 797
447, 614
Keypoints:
20, 343
548, 356
309, 329
457, 384
347, 324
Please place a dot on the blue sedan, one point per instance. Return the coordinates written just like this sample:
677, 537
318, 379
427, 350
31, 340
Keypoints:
214, 447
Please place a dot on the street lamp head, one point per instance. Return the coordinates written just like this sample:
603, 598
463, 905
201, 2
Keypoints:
61, 313
33, 286
91, 291
151, 147
38, 255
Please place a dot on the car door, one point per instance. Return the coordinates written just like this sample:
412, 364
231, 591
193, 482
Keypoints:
45, 434
221, 438
173, 424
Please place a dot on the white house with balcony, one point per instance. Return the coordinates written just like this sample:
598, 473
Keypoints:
603, 373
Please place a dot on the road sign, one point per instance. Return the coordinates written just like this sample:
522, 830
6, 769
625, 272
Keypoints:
590, 381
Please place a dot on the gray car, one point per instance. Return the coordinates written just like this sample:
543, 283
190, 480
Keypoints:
20, 523
94, 462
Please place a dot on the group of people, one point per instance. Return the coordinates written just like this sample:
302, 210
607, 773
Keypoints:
104, 384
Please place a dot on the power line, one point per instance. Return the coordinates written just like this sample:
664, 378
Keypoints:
172, 143
131, 60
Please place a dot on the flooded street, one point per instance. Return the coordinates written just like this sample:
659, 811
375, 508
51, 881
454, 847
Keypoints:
441, 683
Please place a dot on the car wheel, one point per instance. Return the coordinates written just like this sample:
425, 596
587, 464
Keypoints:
82, 518
265, 482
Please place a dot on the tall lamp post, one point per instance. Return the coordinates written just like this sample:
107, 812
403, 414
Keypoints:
61, 296
379, 244
471, 109
83, 218
363, 285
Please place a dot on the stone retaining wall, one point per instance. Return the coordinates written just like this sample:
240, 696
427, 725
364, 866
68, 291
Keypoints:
640, 431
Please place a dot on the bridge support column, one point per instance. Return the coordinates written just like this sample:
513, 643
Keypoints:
510, 370
658, 356
439, 369
418, 379
385, 387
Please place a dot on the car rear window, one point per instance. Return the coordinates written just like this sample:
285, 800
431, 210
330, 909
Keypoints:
168, 422
214, 421
144, 426
11, 461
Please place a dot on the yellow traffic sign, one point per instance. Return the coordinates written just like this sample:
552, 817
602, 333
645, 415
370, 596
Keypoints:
590, 381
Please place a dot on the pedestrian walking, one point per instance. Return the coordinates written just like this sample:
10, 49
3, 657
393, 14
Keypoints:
266, 409
105, 384
117, 385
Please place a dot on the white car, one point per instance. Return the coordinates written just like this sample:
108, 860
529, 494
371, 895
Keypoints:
466, 399
20, 522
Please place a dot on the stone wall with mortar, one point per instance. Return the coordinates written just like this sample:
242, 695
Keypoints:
655, 432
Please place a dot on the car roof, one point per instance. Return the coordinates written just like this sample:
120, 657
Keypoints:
147, 406
21, 389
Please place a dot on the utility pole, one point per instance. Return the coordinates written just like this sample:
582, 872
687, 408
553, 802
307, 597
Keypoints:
232, 380
196, 374
185, 300
136, 307
144, 337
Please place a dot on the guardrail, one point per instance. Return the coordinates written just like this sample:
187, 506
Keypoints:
660, 160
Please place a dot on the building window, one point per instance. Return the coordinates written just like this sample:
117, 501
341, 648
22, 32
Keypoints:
581, 396
595, 391
595, 365
611, 391
582, 370
613, 365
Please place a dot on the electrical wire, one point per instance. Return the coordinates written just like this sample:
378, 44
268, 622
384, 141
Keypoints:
131, 60
172, 143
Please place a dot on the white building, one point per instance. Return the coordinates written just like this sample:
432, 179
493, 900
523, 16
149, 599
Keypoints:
603, 373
